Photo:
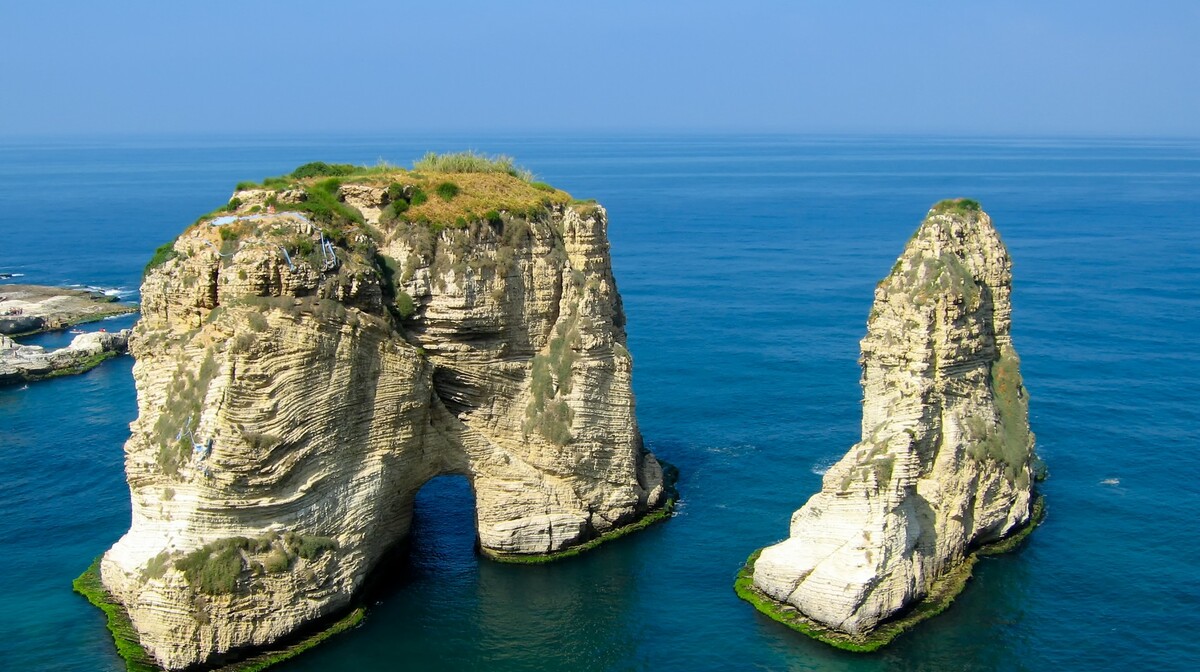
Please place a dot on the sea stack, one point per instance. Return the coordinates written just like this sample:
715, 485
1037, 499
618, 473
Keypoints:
315, 351
945, 464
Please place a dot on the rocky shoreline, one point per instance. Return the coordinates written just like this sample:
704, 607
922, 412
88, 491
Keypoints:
32, 309
29, 363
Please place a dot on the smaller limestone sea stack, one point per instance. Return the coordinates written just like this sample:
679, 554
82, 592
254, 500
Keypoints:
945, 464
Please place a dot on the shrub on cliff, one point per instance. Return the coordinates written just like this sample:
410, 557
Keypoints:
162, 255
322, 169
447, 190
323, 206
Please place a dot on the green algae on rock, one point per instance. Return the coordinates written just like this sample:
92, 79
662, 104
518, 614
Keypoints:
940, 596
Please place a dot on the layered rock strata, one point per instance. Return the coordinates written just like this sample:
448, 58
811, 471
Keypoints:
306, 362
25, 363
944, 464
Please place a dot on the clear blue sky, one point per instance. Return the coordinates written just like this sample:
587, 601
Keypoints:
872, 66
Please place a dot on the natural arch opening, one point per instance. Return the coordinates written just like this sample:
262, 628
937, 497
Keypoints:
443, 536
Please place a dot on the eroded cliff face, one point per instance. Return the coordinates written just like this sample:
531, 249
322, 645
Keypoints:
944, 464
293, 398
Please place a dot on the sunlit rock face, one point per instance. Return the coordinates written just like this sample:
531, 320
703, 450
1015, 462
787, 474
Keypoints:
294, 395
944, 464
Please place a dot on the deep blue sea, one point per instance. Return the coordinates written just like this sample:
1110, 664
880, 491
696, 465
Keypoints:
747, 265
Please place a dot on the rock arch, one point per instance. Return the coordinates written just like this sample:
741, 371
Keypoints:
326, 409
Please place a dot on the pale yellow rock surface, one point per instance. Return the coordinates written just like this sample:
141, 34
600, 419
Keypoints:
287, 416
944, 464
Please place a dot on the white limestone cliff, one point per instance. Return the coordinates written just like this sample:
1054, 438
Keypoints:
944, 464
290, 406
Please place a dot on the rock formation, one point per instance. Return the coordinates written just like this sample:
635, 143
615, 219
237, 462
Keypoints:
308, 359
944, 464
24, 363
29, 309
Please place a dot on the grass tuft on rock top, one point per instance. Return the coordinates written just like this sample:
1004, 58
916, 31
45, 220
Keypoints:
468, 187
940, 597
481, 185
958, 206
471, 162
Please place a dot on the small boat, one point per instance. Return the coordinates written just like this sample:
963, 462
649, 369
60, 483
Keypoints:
77, 331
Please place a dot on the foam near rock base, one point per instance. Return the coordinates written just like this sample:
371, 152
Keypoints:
944, 464
290, 407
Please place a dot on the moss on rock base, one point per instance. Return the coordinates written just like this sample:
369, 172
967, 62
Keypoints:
642, 523
670, 478
124, 635
137, 659
940, 596
80, 366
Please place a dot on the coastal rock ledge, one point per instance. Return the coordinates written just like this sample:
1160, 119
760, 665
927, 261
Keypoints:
945, 464
309, 356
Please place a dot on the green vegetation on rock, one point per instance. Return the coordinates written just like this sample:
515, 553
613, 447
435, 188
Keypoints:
274, 656
215, 568
124, 635
958, 206
548, 413
447, 190
137, 659
939, 598
162, 254
471, 162
642, 523
82, 365
184, 400
1012, 446
670, 478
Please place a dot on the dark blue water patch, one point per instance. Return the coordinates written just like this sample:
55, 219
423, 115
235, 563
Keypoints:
747, 265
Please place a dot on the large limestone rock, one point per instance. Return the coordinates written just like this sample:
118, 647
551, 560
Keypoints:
944, 461
290, 406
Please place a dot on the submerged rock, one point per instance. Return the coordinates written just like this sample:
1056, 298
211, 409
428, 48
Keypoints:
300, 375
944, 464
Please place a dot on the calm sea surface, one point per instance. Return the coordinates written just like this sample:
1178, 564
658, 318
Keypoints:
747, 265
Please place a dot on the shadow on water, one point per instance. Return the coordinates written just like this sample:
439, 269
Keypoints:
438, 604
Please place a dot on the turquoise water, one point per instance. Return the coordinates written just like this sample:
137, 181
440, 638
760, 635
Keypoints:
747, 265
